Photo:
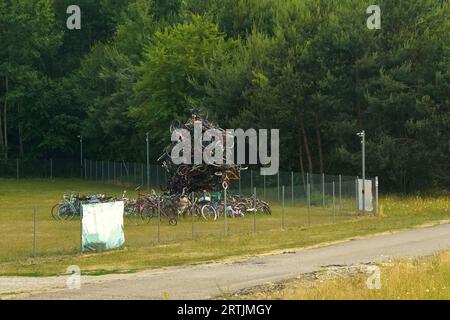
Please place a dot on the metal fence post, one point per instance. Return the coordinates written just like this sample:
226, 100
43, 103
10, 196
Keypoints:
292, 186
282, 211
225, 211
157, 177
114, 171
254, 211
357, 193
151, 183
17, 168
308, 196
148, 159
159, 222
323, 189
34, 232
81, 230
340, 191
239, 185
278, 185
334, 205
376, 196
264, 186
85, 169
251, 179
307, 183
192, 214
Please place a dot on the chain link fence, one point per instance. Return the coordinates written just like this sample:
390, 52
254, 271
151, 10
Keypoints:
297, 200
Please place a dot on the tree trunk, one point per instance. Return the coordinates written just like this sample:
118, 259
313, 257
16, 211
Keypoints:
300, 151
300, 155
20, 134
306, 145
319, 143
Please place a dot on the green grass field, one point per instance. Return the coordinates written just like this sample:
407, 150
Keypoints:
58, 242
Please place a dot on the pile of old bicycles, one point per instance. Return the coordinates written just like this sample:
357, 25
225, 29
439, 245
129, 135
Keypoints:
203, 205
203, 176
189, 184
70, 206
192, 189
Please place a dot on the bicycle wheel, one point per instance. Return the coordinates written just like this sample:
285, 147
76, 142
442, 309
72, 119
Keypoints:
55, 210
66, 212
197, 211
208, 212
129, 213
220, 210
242, 208
147, 213
266, 209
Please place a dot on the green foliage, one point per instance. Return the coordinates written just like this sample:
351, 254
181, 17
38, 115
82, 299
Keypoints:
173, 61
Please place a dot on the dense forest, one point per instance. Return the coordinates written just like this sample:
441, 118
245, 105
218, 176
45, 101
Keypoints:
311, 68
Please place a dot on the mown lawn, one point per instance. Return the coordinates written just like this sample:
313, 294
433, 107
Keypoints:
57, 242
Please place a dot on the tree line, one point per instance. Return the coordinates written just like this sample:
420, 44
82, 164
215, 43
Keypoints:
310, 68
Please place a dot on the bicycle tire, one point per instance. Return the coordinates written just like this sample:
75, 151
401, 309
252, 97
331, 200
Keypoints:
129, 214
67, 213
267, 210
147, 213
220, 210
54, 211
208, 212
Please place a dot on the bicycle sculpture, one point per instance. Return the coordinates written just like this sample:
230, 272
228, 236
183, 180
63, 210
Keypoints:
193, 184
197, 177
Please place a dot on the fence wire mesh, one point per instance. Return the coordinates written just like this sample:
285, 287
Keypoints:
309, 199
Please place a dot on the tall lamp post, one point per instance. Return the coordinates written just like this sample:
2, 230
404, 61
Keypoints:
81, 155
148, 162
362, 135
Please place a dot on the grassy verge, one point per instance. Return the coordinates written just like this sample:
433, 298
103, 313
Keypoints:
407, 279
58, 241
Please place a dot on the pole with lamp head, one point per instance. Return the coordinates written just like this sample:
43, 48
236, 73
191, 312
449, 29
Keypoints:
81, 154
362, 135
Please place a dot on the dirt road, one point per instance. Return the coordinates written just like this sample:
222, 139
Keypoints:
210, 280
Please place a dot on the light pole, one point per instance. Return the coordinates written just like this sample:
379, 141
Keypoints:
81, 155
362, 135
148, 162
